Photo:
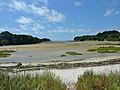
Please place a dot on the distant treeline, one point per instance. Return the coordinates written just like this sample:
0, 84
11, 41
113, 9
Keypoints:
104, 36
7, 38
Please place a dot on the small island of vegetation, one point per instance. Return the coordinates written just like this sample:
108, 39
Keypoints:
7, 38
109, 49
102, 36
6, 53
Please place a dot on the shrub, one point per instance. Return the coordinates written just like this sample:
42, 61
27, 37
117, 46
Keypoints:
91, 81
46, 81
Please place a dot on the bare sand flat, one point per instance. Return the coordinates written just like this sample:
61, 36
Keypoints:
43, 52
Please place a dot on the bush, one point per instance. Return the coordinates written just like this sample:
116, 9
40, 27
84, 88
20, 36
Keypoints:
46, 81
91, 81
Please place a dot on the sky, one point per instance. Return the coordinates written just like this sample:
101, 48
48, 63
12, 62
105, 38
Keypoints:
59, 19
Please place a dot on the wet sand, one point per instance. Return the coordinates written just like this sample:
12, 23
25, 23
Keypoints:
52, 51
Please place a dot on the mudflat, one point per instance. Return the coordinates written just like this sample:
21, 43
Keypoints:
52, 51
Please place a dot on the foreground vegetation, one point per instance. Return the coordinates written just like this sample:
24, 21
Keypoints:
104, 36
6, 53
92, 81
46, 81
108, 49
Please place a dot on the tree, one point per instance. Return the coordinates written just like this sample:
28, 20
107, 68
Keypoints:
7, 38
106, 35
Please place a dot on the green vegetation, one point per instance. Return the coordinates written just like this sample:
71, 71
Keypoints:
70, 53
109, 49
62, 55
5, 53
109, 43
104, 36
46, 81
91, 81
73, 53
7, 38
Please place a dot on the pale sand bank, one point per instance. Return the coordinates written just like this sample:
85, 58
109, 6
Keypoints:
57, 62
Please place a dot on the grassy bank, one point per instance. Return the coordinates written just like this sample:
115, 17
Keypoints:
92, 81
46, 81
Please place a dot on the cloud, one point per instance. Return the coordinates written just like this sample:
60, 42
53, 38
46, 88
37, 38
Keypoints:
45, 2
49, 14
24, 20
18, 5
54, 16
62, 30
9, 29
37, 26
23, 27
3, 29
112, 8
41, 11
77, 3
115, 2
111, 12
38, 20
57, 31
2, 4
